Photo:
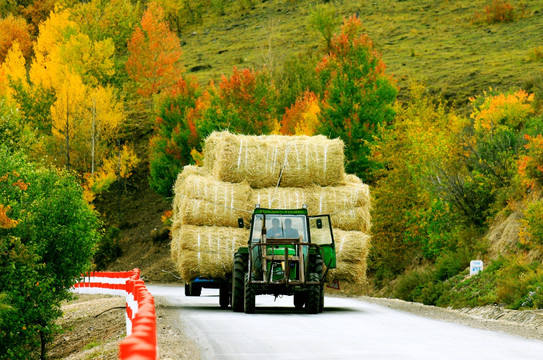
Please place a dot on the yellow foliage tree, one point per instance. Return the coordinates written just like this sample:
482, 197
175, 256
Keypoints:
67, 112
103, 117
14, 71
61, 48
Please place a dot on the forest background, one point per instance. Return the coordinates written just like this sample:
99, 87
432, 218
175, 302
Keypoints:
439, 104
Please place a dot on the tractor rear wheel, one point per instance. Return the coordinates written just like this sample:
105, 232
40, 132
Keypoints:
238, 282
313, 295
299, 300
249, 296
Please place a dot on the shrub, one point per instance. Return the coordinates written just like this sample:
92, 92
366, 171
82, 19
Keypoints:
108, 248
499, 11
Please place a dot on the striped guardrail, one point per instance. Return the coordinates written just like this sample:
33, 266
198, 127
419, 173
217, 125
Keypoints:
141, 340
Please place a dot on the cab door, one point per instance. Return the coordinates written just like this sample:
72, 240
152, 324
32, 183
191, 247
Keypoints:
320, 232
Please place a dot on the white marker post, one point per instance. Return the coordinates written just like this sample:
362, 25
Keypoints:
475, 266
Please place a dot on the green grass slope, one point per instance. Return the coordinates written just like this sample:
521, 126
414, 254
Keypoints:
434, 41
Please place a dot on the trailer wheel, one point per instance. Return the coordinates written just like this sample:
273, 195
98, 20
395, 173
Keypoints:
224, 296
238, 282
193, 289
313, 295
249, 296
299, 300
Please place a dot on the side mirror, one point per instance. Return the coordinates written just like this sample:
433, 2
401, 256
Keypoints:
319, 223
241, 225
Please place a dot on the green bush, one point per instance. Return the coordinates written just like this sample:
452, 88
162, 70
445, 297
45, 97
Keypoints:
45, 245
108, 248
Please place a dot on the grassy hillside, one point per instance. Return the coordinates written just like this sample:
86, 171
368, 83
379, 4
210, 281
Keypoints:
437, 42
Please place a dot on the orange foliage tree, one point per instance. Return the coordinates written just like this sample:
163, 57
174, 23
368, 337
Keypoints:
14, 29
302, 118
242, 103
155, 53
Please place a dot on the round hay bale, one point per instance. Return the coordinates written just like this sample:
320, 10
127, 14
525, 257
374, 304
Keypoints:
348, 205
206, 250
351, 246
259, 159
203, 200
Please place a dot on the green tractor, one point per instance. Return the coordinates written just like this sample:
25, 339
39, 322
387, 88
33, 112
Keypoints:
289, 253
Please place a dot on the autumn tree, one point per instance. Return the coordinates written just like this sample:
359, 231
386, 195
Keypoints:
175, 135
302, 118
155, 53
242, 103
14, 72
14, 29
358, 95
410, 218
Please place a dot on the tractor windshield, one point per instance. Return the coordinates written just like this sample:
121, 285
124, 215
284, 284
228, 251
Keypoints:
279, 226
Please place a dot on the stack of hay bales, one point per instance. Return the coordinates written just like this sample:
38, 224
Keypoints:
241, 171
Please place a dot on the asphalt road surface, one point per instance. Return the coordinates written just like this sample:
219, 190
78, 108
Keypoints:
347, 329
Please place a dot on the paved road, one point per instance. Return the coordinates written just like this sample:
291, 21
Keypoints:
347, 329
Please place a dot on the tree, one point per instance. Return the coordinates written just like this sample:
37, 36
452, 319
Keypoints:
243, 103
175, 135
14, 70
14, 29
41, 255
67, 112
358, 95
155, 53
303, 117
324, 19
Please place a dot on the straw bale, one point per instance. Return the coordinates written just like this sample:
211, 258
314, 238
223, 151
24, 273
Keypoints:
349, 204
187, 171
259, 159
206, 250
202, 200
352, 273
351, 246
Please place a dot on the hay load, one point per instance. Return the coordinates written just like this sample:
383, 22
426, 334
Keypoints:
241, 171
259, 159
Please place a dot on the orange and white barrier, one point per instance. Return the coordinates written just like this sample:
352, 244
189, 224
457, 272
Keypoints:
141, 340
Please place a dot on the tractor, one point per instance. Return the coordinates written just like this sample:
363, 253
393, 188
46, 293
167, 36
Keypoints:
288, 253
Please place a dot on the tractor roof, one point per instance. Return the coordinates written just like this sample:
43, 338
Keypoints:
280, 211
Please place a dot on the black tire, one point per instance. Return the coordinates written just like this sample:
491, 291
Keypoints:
238, 282
249, 296
321, 304
192, 289
317, 265
313, 295
224, 295
196, 290
299, 300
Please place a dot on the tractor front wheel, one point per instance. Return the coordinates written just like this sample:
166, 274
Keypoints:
313, 295
249, 296
238, 282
